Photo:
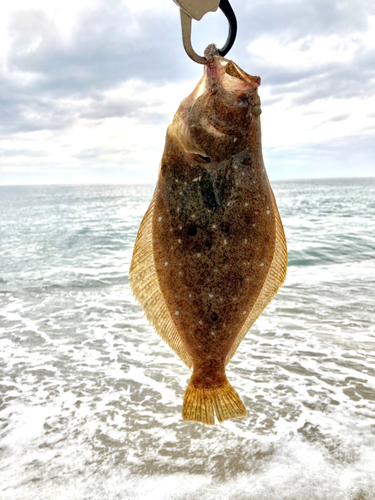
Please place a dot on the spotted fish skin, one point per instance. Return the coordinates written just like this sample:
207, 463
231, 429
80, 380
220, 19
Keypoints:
217, 243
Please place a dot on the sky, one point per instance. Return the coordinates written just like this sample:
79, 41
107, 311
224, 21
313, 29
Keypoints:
88, 87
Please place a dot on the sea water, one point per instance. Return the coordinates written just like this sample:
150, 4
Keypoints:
91, 397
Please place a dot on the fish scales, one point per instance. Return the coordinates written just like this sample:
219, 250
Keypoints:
211, 250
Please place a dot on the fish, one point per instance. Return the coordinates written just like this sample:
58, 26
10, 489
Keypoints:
210, 253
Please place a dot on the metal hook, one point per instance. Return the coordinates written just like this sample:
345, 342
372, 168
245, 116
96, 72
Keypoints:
186, 21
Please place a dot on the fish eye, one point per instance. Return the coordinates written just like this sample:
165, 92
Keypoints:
192, 231
206, 159
243, 98
214, 316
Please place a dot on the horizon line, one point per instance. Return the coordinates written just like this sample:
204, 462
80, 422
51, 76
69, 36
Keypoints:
137, 183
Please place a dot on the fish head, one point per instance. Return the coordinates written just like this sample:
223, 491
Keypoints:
215, 119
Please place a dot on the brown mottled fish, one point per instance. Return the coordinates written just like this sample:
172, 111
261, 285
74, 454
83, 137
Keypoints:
210, 252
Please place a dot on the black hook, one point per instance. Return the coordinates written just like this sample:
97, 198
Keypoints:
227, 10
186, 20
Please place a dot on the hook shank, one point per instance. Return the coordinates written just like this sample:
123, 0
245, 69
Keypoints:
186, 21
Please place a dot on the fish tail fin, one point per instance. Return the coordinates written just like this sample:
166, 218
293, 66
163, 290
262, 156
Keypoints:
201, 404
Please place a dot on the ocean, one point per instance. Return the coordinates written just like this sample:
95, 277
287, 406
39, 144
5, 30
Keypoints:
91, 397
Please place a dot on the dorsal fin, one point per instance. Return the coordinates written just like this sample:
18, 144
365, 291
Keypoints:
145, 286
275, 278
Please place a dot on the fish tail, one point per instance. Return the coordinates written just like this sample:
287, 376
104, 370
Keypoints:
201, 404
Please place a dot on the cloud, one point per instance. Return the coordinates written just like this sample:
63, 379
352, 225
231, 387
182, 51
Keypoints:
101, 108
316, 75
292, 20
130, 107
339, 118
26, 111
310, 50
97, 153
22, 113
25, 153
340, 157
51, 82
103, 91
109, 44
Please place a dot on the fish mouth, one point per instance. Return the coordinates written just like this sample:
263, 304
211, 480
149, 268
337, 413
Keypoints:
214, 119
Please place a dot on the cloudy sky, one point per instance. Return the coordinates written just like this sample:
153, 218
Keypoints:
88, 87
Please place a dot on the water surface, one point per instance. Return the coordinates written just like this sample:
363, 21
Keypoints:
91, 397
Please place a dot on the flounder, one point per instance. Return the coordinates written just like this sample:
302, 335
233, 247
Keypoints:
211, 251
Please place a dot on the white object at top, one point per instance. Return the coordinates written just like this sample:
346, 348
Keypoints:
196, 9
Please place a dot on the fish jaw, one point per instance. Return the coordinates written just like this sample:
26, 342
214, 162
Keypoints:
215, 119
